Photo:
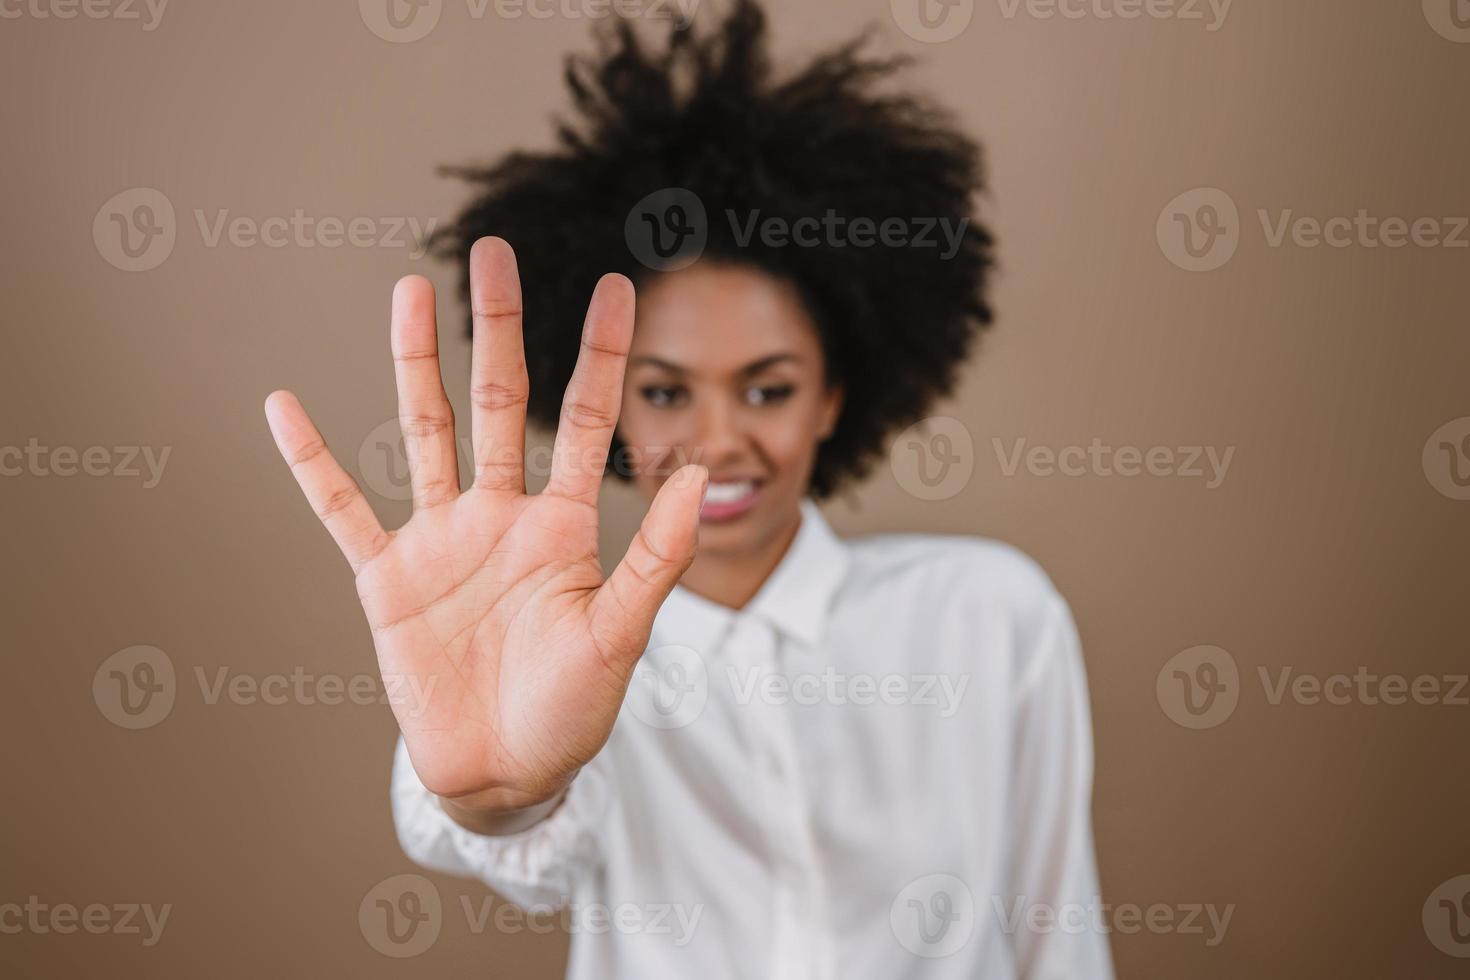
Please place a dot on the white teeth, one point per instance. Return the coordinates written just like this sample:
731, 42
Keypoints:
728, 493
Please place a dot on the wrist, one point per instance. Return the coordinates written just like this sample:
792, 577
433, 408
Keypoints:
497, 816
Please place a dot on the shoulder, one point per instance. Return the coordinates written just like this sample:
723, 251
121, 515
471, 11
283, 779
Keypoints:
961, 600
969, 591
961, 566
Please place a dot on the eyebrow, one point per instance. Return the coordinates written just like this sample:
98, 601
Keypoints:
754, 367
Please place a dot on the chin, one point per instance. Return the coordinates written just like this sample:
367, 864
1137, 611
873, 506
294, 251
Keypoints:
750, 531
731, 537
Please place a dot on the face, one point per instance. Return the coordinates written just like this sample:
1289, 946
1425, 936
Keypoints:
726, 370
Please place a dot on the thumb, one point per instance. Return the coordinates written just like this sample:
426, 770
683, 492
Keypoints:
661, 551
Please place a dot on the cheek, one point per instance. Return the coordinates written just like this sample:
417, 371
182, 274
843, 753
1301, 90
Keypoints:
788, 437
652, 444
649, 431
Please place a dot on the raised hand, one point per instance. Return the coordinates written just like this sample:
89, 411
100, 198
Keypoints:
490, 601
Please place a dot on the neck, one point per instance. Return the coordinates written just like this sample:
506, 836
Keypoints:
733, 578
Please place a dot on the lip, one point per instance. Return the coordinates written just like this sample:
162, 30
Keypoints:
721, 512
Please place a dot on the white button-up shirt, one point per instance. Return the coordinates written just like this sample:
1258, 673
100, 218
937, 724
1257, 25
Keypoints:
879, 768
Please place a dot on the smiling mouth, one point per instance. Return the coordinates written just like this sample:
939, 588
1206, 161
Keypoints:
726, 500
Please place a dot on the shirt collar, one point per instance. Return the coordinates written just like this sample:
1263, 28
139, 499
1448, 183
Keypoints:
795, 599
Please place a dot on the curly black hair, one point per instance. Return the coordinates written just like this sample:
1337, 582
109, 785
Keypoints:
704, 114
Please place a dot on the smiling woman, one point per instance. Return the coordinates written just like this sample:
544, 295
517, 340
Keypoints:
705, 123
743, 723
733, 265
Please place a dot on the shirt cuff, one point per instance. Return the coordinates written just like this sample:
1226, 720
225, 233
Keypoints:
536, 866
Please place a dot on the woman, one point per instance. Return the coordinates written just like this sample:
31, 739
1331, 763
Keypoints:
839, 759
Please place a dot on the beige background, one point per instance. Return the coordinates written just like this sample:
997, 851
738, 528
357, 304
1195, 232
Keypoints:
1326, 548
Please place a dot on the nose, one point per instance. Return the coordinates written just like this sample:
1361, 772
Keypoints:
720, 436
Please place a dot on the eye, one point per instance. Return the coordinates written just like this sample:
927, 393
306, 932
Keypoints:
769, 394
662, 396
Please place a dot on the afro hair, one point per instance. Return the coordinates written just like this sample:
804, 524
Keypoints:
704, 115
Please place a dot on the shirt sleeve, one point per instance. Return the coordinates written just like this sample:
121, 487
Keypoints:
1054, 870
539, 866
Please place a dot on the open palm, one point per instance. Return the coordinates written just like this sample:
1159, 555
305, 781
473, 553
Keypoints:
490, 605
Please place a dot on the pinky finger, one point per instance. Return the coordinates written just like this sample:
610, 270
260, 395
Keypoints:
332, 493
